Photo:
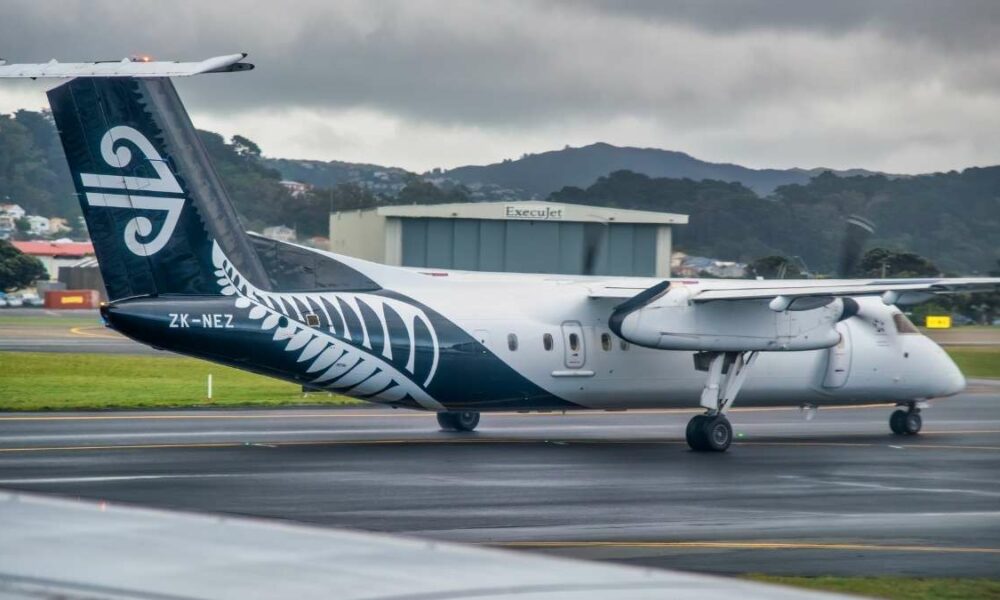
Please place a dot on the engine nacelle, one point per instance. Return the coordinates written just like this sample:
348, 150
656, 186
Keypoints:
667, 319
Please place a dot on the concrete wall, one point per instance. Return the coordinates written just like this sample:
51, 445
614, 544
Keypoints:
359, 233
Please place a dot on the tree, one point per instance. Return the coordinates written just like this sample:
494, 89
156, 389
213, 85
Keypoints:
774, 267
17, 269
245, 147
882, 262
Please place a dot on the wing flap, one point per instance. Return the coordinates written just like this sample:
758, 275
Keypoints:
765, 289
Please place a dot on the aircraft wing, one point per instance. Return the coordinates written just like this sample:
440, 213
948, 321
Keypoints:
707, 290
54, 547
762, 289
127, 67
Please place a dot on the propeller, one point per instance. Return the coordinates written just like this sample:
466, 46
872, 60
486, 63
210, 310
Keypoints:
856, 235
593, 234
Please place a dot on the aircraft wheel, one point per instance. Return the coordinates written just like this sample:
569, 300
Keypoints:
906, 422
693, 433
465, 420
707, 433
717, 433
897, 422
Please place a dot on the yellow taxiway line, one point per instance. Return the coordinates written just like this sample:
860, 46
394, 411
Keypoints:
738, 545
80, 331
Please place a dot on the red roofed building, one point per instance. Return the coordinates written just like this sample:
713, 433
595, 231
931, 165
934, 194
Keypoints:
56, 254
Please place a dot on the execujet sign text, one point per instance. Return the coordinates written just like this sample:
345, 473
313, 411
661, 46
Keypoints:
533, 213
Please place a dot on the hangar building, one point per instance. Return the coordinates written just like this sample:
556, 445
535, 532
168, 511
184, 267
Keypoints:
525, 237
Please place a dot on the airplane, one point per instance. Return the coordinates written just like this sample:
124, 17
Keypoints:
183, 275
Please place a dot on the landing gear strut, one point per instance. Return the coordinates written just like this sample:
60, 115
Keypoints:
727, 371
465, 420
906, 422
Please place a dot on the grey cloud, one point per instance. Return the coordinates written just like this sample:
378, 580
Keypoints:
724, 69
958, 26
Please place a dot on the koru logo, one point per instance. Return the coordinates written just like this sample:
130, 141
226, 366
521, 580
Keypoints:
133, 190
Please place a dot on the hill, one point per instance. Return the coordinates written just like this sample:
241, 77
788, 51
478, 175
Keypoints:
541, 174
952, 218
328, 174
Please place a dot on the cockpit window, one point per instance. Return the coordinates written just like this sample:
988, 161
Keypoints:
904, 325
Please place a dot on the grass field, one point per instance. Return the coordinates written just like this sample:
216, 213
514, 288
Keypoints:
44, 381
977, 361
45, 321
895, 588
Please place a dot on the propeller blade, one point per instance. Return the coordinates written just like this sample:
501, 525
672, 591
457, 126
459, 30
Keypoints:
856, 235
593, 234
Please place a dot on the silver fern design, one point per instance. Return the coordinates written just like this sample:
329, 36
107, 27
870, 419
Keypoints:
330, 351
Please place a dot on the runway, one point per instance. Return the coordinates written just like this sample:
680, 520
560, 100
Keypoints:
834, 495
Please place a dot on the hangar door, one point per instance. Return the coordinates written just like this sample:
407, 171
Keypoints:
625, 249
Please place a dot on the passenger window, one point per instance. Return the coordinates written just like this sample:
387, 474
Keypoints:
623, 344
605, 342
574, 342
312, 320
904, 325
512, 342
547, 341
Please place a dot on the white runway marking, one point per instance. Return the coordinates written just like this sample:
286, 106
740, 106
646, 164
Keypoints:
894, 488
105, 479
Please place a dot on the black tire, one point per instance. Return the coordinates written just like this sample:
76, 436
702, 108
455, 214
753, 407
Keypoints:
717, 434
693, 434
913, 423
465, 420
447, 421
897, 422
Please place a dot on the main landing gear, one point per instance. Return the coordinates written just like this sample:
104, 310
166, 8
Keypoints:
727, 371
906, 422
465, 420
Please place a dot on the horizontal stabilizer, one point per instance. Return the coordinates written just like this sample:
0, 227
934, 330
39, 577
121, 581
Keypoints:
127, 67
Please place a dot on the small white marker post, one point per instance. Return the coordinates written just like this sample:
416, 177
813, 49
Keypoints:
209, 386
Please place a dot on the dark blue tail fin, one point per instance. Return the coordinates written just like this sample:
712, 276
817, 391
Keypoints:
152, 201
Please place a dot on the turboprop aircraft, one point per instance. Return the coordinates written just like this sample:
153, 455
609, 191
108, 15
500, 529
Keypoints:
183, 275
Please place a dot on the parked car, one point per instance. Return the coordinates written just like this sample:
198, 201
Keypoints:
957, 319
3, 300
32, 300
14, 301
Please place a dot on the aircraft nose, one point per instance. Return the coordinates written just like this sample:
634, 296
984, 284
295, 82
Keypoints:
952, 378
947, 376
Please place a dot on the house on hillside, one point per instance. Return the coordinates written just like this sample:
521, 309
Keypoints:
38, 225
683, 265
280, 233
13, 210
296, 188
10, 214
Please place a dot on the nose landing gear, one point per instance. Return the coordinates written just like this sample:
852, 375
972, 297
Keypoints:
906, 422
465, 420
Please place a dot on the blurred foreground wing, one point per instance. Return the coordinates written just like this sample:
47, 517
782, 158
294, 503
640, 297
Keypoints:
74, 550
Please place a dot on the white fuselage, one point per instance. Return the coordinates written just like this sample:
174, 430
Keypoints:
873, 363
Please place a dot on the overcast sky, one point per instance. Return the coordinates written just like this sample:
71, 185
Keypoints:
904, 86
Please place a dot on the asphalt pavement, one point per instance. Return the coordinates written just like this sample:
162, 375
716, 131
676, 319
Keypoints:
832, 495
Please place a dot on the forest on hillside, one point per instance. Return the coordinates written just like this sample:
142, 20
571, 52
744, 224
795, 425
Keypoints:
951, 218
